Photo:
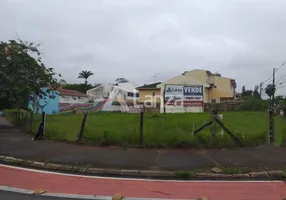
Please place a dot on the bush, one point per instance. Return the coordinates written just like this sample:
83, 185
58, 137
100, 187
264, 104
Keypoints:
254, 104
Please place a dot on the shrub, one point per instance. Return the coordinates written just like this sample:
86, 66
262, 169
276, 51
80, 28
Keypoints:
254, 104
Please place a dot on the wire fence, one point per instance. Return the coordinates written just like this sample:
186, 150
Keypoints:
154, 130
22, 118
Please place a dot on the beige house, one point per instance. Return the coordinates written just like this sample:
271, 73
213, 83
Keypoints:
149, 93
220, 88
216, 89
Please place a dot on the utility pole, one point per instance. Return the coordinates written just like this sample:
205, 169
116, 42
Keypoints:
271, 110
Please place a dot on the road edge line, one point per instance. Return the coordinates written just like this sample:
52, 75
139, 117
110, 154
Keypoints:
14, 189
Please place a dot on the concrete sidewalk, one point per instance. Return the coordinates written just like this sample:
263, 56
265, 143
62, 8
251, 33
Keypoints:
15, 143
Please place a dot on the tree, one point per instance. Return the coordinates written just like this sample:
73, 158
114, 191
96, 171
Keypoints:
79, 87
22, 73
233, 84
218, 74
256, 92
243, 91
62, 82
270, 90
248, 93
280, 100
85, 75
121, 80
254, 104
260, 88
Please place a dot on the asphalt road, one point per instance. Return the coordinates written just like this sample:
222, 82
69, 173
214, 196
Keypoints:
19, 196
15, 143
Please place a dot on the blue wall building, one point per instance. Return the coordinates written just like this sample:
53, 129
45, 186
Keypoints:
49, 104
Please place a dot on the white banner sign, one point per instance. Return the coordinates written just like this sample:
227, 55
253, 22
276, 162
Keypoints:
184, 94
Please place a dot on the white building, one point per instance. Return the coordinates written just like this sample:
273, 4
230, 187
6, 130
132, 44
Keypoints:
121, 96
72, 96
122, 91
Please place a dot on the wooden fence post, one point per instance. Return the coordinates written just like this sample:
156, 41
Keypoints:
141, 126
41, 129
213, 133
80, 135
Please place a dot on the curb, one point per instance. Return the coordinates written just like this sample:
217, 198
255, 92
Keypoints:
157, 174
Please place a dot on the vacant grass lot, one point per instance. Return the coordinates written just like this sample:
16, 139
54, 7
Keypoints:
105, 128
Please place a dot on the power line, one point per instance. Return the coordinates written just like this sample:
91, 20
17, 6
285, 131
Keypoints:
282, 82
270, 78
284, 86
280, 66
280, 78
267, 80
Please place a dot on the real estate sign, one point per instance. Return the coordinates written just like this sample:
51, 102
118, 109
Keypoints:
186, 95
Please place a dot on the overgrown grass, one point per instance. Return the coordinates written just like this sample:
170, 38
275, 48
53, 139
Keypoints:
106, 128
233, 170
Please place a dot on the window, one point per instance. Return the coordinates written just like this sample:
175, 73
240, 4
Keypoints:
153, 94
131, 94
213, 100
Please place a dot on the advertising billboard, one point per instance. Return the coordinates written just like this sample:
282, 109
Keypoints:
184, 95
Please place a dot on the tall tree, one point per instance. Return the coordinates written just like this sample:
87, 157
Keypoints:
256, 91
260, 88
121, 80
22, 73
243, 91
85, 75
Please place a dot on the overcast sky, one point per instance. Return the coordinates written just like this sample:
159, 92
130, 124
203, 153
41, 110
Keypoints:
136, 39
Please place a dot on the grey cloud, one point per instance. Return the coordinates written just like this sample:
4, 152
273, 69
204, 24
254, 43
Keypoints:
242, 39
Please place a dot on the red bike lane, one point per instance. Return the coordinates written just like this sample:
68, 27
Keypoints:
73, 184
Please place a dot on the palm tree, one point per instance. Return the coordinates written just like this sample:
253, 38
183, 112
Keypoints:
85, 75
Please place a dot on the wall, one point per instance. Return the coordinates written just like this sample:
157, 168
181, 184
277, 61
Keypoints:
73, 99
199, 75
222, 107
223, 85
223, 89
116, 95
145, 94
79, 108
192, 109
48, 104
100, 92
104, 91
